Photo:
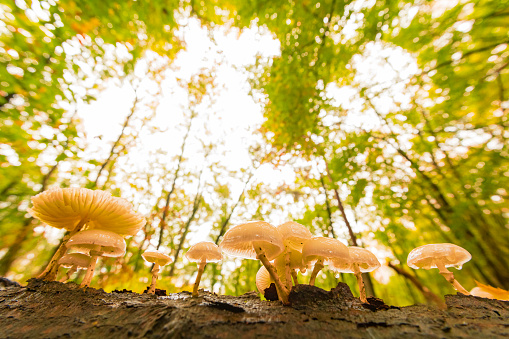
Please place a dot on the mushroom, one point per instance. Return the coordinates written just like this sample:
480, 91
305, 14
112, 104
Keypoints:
158, 259
203, 253
98, 243
320, 251
256, 240
294, 235
440, 256
486, 291
73, 261
73, 209
263, 280
361, 261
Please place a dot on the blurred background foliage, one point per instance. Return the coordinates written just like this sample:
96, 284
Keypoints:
387, 119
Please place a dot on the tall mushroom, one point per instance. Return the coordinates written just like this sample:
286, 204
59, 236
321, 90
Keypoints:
320, 251
440, 256
73, 261
75, 209
158, 259
203, 253
99, 243
361, 261
256, 240
294, 235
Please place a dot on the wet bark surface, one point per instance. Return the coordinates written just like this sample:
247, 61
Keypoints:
53, 310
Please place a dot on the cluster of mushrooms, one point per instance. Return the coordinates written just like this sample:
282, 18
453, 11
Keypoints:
97, 223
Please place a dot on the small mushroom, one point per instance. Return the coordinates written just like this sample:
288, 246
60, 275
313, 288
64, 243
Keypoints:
294, 235
158, 259
73, 261
361, 261
440, 256
98, 243
263, 280
203, 253
320, 251
73, 209
257, 240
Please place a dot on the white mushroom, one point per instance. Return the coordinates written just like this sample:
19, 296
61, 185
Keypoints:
320, 251
158, 259
361, 261
203, 253
73, 209
73, 261
440, 256
98, 243
256, 240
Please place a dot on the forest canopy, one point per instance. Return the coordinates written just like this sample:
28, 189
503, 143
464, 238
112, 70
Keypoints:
383, 124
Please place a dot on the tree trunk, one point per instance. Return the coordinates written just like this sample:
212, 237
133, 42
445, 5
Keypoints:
35, 311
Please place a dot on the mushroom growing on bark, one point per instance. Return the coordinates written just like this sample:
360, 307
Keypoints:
320, 251
99, 243
75, 209
440, 256
158, 259
203, 253
256, 240
73, 261
263, 280
294, 235
361, 261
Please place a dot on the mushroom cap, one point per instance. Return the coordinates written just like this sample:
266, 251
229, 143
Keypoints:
157, 257
365, 260
295, 261
66, 207
263, 280
328, 249
294, 234
109, 243
239, 241
427, 256
204, 251
74, 259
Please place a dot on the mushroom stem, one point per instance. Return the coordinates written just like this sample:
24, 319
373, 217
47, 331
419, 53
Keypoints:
295, 278
201, 268
90, 269
288, 274
281, 289
50, 272
449, 276
316, 269
155, 275
73, 269
360, 283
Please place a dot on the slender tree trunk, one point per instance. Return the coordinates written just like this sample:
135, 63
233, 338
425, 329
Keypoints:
196, 206
12, 252
162, 222
226, 221
116, 143
328, 208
